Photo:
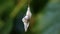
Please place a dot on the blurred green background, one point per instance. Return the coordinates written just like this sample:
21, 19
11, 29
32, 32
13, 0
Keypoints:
45, 15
